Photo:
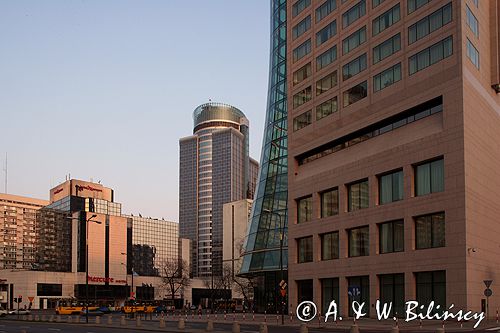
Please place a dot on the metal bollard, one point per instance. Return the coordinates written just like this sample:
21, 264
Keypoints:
122, 321
70, 319
138, 321
37, 318
30, 317
236, 327
162, 323
43, 318
210, 326
51, 318
395, 329
182, 324
354, 329
98, 320
58, 319
304, 328
110, 320
263, 328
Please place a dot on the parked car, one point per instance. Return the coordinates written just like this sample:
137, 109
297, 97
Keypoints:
3, 313
20, 312
104, 309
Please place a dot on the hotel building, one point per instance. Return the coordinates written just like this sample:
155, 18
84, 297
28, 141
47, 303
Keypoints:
393, 152
215, 168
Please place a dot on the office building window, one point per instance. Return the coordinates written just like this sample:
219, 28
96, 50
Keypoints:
302, 73
330, 202
326, 33
299, 6
385, 20
304, 209
358, 289
354, 40
430, 23
476, 2
413, 5
305, 249
392, 290
302, 50
430, 231
390, 187
431, 286
472, 53
354, 67
305, 290
326, 83
358, 195
326, 108
330, 246
301, 27
302, 121
391, 237
326, 58
302, 97
387, 78
359, 242
472, 22
329, 293
325, 9
375, 3
387, 48
431, 55
356, 93
429, 177
354, 13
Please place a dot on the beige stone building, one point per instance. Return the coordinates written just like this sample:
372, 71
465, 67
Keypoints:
394, 154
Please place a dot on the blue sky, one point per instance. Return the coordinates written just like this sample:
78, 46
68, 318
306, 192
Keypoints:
104, 89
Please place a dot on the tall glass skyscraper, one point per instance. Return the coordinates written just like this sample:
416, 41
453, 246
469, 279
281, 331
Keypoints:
215, 168
269, 213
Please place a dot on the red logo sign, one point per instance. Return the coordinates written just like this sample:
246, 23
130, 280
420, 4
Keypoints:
58, 190
31, 299
87, 187
103, 279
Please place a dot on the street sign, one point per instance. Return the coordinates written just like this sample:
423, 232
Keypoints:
488, 283
354, 291
283, 284
488, 292
31, 299
283, 292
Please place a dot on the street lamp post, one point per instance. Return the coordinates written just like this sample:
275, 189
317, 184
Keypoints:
282, 230
87, 265
132, 294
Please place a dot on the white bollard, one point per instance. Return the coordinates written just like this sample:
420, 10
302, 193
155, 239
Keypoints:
263, 328
110, 320
236, 327
70, 319
138, 321
122, 321
395, 329
210, 326
354, 329
162, 323
97, 320
440, 330
304, 328
182, 324
58, 319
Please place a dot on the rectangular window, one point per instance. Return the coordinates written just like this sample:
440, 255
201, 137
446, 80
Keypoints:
330, 246
302, 73
476, 2
302, 121
391, 187
326, 108
472, 22
326, 83
329, 292
387, 48
430, 23
358, 289
375, 3
387, 77
354, 40
391, 237
431, 55
430, 231
354, 13
302, 50
304, 209
325, 9
305, 290
48, 289
299, 6
354, 67
329, 202
302, 97
359, 242
472, 53
392, 290
358, 195
431, 286
355, 93
326, 33
413, 5
386, 20
326, 58
429, 177
305, 249
301, 27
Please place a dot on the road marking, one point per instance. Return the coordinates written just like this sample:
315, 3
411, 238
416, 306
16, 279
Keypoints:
54, 329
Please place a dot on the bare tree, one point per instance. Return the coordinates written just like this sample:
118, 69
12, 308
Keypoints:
175, 275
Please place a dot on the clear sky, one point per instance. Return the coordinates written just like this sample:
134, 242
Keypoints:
105, 89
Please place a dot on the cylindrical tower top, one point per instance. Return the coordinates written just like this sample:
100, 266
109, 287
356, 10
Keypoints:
217, 112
